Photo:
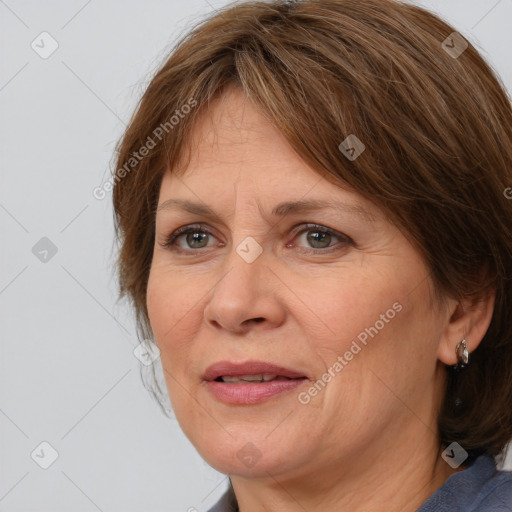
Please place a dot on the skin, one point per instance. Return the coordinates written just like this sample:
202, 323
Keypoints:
368, 440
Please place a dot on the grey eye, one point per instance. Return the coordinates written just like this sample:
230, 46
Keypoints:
318, 239
197, 240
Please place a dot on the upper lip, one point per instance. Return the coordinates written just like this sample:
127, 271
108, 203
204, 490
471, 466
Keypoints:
227, 368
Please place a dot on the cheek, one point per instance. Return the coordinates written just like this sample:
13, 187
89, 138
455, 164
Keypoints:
374, 322
170, 308
170, 317
358, 304
175, 303
159, 303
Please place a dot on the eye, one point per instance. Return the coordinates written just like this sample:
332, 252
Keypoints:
192, 237
320, 238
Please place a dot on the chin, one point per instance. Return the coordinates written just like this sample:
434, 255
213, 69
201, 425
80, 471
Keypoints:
250, 455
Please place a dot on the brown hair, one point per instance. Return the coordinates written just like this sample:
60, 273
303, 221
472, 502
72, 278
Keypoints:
438, 134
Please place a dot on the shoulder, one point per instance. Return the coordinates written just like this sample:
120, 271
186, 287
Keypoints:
226, 503
479, 488
497, 496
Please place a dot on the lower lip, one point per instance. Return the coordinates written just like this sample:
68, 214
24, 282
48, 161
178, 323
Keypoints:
248, 394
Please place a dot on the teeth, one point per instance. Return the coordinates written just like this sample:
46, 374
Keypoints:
262, 377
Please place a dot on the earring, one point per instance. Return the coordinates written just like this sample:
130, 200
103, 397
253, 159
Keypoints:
462, 355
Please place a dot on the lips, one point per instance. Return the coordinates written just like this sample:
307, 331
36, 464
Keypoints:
252, 371
251, 379
251, 383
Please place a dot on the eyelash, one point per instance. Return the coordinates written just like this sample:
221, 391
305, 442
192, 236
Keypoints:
170, 241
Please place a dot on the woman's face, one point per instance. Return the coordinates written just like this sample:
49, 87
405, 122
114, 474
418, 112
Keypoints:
332, 293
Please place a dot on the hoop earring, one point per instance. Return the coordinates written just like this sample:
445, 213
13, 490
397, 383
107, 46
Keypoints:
462, 355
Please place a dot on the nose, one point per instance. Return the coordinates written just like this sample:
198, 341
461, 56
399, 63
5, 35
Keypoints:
246, 297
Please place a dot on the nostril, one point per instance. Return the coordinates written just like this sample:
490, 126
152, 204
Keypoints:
257, 320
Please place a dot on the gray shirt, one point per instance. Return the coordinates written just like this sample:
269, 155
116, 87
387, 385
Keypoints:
479, 488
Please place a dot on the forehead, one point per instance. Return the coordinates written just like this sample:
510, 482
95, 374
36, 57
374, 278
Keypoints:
236, 154
233, 131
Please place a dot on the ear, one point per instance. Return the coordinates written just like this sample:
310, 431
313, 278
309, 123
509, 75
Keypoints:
467, 318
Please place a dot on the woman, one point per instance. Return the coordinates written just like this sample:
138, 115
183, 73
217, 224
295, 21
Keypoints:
315, 231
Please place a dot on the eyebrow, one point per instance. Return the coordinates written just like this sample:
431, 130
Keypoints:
280, 210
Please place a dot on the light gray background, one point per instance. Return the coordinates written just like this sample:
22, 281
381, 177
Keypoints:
68, 375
